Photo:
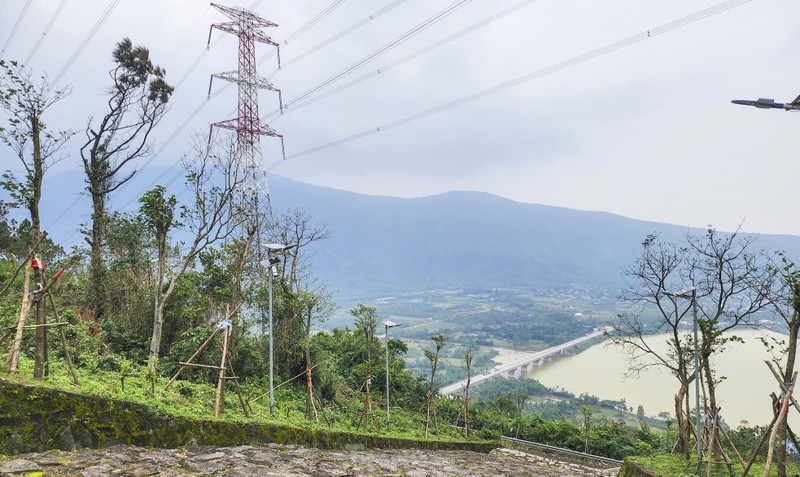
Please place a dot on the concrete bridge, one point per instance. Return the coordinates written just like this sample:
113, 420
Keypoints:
515, 368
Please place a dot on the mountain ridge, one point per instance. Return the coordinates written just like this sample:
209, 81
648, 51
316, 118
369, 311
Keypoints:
382, 245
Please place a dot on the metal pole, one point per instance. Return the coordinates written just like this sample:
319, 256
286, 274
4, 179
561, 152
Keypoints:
386, 327
696, 378
271, 400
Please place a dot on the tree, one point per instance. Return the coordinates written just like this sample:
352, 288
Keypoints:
433, 356
469, 356
157, 212
659, 269
587, 413
137, 102
731, 282
212, 216
318, 306
295, 228
784, 300
26, 100
366, 321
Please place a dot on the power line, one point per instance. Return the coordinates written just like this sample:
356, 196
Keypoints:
46, 31
87, 39
15, 28
407, 58
392, 44
531, 76
316, 19
338, 36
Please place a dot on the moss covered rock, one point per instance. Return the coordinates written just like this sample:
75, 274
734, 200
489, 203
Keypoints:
35, 419
632, 469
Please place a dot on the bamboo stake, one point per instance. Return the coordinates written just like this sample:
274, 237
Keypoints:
64, 341
759, 445
209, 366
242, 402
201, 348
219, 404
730, 441
782, 384
781, 416
189, 361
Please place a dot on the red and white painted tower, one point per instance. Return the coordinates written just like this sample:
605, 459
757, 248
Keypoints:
249, 128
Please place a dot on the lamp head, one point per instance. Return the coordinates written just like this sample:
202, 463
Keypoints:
276, 247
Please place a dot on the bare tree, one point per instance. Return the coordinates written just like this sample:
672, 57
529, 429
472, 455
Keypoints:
366, 320
784, 301
433, 356
294, 227
318, 306
26, 100
469, 356
733, 283
213, 177
137, 101
658, 270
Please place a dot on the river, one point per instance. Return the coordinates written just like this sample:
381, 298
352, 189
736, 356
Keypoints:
600, 370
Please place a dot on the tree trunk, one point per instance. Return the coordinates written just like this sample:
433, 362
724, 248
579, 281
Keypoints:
13, 354
787, 376
40, 353
158, 315
310, 410
683, 430
97, 266
38, 176
155, 341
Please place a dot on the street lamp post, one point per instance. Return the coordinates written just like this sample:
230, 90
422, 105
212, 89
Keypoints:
272, 271
691, 293
388, 324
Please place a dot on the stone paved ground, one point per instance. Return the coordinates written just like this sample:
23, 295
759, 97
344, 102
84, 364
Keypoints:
288, 461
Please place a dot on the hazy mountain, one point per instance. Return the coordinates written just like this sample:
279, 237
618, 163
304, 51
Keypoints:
388, 246
385, 245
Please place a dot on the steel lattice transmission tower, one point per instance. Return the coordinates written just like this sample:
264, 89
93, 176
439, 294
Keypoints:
249, 128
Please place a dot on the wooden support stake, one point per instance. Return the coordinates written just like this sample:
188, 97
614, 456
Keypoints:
64, 342
201, 348
219, 404
783, 385
759, 444
730, 441
189, 361
781, 417
242, 402
196, 365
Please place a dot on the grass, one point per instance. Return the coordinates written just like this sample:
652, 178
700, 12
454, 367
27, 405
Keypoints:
673, 465
196, 401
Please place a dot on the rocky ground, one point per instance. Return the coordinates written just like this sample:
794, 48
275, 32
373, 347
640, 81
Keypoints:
288, 461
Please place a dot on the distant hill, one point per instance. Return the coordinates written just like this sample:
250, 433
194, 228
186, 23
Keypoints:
388, 246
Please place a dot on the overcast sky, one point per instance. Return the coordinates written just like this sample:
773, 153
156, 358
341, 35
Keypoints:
646, 130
